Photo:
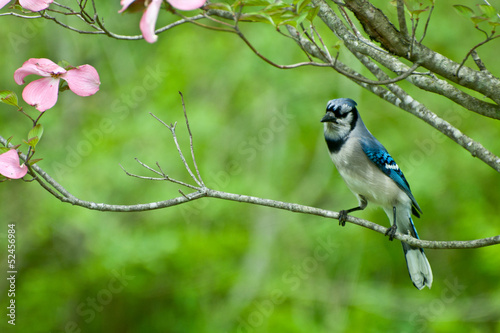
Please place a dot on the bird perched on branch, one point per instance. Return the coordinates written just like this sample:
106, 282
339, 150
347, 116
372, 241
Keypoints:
373, 176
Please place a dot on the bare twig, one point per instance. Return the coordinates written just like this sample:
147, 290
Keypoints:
473, 50
336, 65
202, 191
191, 142
179, 150
393, 93
426, 24
21, 15
406, 102
163, 176
478, 61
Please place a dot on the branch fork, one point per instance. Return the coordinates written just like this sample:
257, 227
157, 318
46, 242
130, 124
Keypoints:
201, 191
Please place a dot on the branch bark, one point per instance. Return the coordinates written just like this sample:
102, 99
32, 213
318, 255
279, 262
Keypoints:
378, 27
202, 191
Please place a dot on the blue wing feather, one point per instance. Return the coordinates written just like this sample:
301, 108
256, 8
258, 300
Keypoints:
384, 161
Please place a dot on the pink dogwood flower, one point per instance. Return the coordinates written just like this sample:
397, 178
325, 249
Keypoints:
148, 20
42, 93
33, 5
9, 165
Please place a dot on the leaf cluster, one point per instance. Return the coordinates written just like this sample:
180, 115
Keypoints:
276, 13
483, 14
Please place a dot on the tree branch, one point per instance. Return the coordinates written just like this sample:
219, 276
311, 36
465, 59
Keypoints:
401, 18
202, 191
429, 83
378, 27
406, 102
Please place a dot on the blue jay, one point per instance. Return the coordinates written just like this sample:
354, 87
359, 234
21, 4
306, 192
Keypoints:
373, 176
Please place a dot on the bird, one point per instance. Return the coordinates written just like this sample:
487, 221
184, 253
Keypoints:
373, 176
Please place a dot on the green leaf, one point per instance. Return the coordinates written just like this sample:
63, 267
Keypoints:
464, 10
257, 17
4, 150
8, 97
337, 46
312, 13
34, 135
220, 6
301, 17
255, 3
478, 19
36, 160
420, 11
415, 6
64, 64
488, 11
33, 142
9, 140
36, 131
302, 4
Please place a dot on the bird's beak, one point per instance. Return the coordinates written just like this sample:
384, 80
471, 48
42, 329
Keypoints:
329, 118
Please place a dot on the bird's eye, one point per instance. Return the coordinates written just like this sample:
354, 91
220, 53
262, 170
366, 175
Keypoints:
338, 112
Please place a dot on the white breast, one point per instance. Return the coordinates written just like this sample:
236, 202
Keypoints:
364, 178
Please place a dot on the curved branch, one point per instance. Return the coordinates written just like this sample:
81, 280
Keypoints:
202, 191
292, 207
473, 50
20, 15
378, 27
428, 83
406, 102
339, 67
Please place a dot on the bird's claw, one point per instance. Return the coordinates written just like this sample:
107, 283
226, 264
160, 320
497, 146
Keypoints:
391, 232
342, 217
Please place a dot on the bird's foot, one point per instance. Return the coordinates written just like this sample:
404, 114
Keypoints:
342, 217
391, 232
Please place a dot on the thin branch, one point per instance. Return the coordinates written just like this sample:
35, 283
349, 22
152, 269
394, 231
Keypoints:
163, 176
100, 29
427, 24
406, 102
478, 81
393, 93
471, 51
179, 150
324, 48
311, 38
191, 142
21, 15
432, 83
292, 207
336, 65
149, 168
402, 18
478, 61
202, 191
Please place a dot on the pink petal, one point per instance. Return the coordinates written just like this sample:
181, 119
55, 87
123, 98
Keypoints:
9, 165
35, 5
42, 67
148, 21
3, 3
187, 4
125, 4
83, 80
42, 93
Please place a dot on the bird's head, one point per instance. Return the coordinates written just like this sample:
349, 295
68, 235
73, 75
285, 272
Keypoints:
340, 118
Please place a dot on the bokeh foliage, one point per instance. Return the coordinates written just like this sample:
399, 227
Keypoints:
214, 266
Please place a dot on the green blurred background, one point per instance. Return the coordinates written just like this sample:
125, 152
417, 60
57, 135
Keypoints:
217, 266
